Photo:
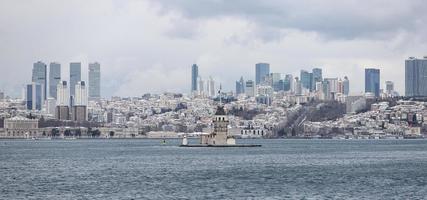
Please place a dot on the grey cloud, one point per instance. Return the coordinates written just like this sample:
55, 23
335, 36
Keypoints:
333, 19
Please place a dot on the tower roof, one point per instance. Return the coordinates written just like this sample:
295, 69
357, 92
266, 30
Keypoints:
220, 110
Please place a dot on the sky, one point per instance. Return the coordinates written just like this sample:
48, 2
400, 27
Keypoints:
149, 45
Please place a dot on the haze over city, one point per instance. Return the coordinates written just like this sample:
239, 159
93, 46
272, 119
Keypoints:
149, 46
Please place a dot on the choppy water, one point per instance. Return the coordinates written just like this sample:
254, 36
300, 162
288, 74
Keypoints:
281, 169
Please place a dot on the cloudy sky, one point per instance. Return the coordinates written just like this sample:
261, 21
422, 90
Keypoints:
149, 45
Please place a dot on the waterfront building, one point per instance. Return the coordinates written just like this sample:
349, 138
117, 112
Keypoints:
75, 76
194, 76
79, 113
416, 77
34, 96
54, 78
250, 88
372, 81
220, 135
94, 80
261, 70
21, 127
39, 76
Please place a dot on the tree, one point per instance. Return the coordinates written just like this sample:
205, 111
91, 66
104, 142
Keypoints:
111, 133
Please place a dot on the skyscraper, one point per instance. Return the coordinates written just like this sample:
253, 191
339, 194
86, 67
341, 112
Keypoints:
63, 96
389, 87
75, 76
94, 80
317, 77
346, 86
261, 70
34, 96
306, 79
194, 76
54, 78
211, 87
416, 77
250, 88
62, 111
240, 86
81, 94
372, 81
200, 85
40, 76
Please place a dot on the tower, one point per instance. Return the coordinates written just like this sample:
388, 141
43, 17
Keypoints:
261, 70
372, 81
94, 80
194, 76
39, 76
54, 78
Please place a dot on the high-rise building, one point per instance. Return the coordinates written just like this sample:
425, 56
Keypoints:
372, 81
389, 86
62, 111
275, 81
250, 88
346, 86
297, 86
288, 83
50, 105
1, 95
34, 96
240, 86
261, 70
63, 96
80, 94
211, 87
54, 78
317, 77
40, 76
200, 85
416, 77
194, 76
94, 80
306, 79
75, 76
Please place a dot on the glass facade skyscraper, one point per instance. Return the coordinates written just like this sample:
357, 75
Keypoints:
261, 70
34, 96
372, 81
317, 77
194, 76
40, 76
306, 79
75, 76
416, 77
54, 78
94, 80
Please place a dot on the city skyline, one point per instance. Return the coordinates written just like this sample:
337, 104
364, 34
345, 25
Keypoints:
224, 40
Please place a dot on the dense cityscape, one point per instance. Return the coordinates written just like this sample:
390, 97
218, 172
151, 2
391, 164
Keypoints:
274, 105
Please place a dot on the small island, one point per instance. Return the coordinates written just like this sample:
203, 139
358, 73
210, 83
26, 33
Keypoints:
220, 136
